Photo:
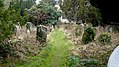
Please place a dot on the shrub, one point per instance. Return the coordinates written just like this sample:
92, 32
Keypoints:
104, 38
73, 61
89, 62
89, 35
5, 49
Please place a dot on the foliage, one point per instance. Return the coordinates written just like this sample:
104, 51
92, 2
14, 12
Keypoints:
95, 51
73, 61
8, 17
48, 1
22, 5
43, 13
5, 23
89, 62
79, 10
104, 38
89, 35
1, 3
5, 49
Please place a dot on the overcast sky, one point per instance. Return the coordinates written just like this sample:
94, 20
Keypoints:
37, 1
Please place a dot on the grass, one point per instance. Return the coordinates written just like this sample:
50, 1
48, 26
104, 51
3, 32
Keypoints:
53, 55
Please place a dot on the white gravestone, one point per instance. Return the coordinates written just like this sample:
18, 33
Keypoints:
114, 58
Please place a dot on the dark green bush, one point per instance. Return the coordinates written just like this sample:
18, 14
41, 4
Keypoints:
89, 35
5, 49
89, 63
73, 61
104, 38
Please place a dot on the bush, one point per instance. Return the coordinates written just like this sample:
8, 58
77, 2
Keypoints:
104, 38
5, 49
73, 61
89, 35
89, 62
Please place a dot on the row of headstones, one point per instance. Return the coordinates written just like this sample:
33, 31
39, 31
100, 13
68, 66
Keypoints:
28, 27
40, 31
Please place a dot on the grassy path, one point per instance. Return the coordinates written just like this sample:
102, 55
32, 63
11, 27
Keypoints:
53, 55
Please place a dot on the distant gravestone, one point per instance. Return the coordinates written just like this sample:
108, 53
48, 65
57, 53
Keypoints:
16, 28
30, 27
114, 58
41, 34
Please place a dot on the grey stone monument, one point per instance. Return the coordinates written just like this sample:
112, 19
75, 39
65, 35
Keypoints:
114, 58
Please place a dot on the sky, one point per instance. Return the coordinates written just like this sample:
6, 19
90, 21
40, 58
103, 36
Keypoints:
37, 1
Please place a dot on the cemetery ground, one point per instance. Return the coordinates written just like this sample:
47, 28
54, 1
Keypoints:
61, 44
53, 55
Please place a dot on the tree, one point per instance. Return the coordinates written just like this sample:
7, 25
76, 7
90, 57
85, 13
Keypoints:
8, 17
5, 23
22, 5
108, 9
20, 13
79, 10
43, 13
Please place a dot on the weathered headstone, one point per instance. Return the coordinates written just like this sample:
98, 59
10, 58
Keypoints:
16, 28
114, 58
30, 27
41, 34
109, 28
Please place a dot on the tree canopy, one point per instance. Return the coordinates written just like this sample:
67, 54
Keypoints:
79, 10
43, 13
8, 17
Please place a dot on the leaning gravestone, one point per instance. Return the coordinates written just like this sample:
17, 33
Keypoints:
41, 34
114, 58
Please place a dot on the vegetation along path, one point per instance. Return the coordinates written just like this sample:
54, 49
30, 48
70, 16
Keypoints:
54, 54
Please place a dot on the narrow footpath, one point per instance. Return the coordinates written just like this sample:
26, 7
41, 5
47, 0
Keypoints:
54, 54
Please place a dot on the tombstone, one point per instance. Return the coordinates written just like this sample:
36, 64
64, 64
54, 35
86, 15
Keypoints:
108, 29
114, 58
16, 29
30, 27
41, 34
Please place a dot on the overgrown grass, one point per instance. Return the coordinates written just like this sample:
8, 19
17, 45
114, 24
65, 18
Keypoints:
55, 54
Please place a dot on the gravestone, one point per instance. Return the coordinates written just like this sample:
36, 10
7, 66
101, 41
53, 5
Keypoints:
30, 27
41, 34
114, 58
16, 28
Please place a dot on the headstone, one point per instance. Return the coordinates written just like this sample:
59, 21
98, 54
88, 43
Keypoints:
30, 27
16, 29
109, 28
114, 58
41, 34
